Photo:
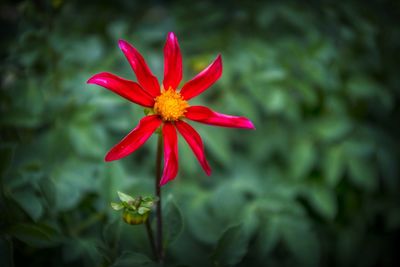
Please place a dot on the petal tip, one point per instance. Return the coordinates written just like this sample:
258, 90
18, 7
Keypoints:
206, 167
122, 44
247, 124
109, 157
218, 64
251, 126
95, 78
171, 35
220, 61
91, 80
163, 182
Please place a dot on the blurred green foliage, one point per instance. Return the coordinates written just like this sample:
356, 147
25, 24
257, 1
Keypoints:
317, 184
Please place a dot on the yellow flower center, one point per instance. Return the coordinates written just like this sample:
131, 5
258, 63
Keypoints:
170, 105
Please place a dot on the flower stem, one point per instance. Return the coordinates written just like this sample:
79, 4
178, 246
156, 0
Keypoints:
160, 250
151, 238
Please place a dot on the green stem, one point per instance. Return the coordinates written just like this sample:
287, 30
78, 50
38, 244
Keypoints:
151, 238
159, 246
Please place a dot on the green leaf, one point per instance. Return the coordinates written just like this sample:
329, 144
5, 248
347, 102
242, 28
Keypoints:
332, 127
48, 189
117, 206
333, 165
35, 235
111, 232
302, 158
86, 50
323, 200
143, 210
86, 139
173, 221
276, 101
268, 236
129, 259
150, 199
231, 247
6, 154
82, 248
73, 179
147, 204
362, 174
301, 241
200, 218
218, 144
29, 202
125, 198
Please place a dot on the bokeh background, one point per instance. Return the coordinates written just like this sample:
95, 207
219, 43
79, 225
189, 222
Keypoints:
317, 184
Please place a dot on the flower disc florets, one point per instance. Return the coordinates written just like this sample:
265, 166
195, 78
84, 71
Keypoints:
170, 105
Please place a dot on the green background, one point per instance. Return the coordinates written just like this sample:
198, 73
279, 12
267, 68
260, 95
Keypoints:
317, 184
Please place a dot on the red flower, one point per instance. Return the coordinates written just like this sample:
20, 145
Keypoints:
169, 107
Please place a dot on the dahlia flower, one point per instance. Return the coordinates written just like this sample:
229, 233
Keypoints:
169, 107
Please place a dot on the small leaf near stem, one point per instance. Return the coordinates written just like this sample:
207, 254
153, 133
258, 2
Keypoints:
125, 198
143, 210
117, 206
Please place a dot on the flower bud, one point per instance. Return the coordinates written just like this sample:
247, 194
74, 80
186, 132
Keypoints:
134, 218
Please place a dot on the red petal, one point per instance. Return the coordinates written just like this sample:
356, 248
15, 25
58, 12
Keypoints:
207, 116
203, 80
170, 153
144, 75
172, 62
135, 139
195, 143
125, 88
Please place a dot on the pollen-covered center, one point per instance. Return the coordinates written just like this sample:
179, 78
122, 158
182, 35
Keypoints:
170, 105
